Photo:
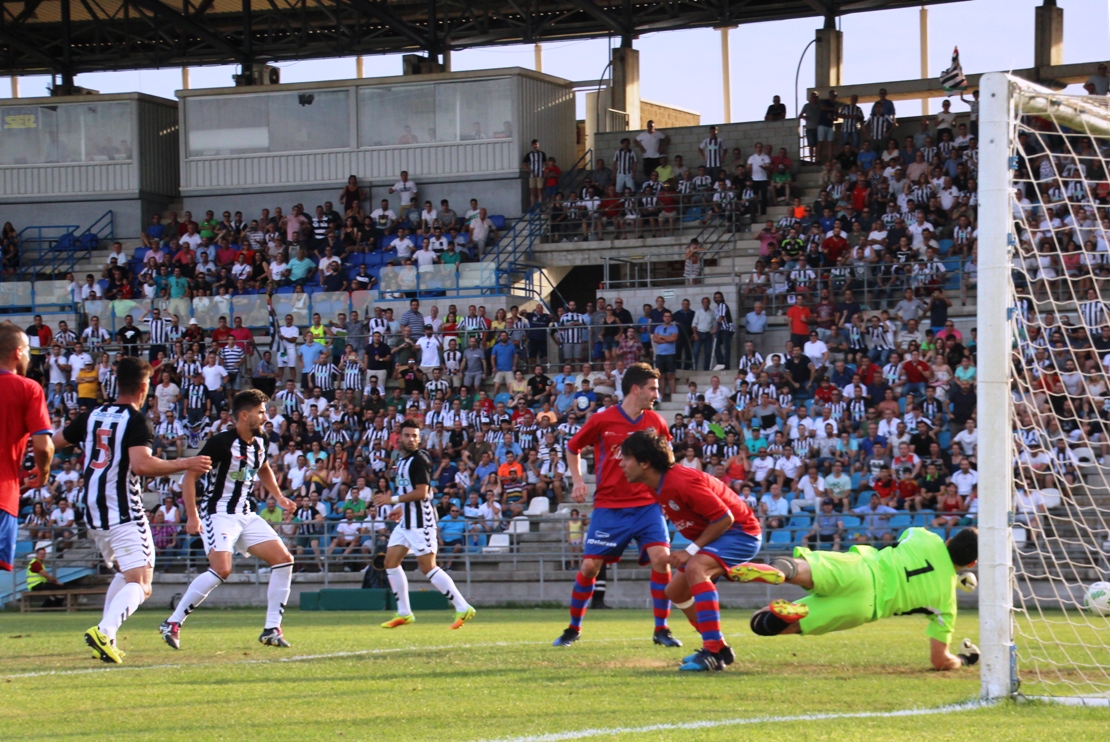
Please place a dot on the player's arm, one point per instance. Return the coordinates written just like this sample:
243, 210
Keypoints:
139, 438
943, 659
269, 481
189, 493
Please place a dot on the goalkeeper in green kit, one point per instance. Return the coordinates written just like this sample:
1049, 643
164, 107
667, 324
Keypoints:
919, 573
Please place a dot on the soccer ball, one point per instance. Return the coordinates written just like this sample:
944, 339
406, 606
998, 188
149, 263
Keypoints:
1097, 598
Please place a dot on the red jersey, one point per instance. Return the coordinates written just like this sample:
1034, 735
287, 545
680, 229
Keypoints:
606, 431
24, 414
693, 499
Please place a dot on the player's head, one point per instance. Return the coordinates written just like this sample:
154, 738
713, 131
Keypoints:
133, 376
640, 383
963, 548
15, 348
249, 408
410, 436
642, 451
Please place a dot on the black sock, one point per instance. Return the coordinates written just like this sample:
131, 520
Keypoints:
786, 565
765, 623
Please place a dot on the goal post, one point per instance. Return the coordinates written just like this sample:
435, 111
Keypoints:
1043, 257
993, 388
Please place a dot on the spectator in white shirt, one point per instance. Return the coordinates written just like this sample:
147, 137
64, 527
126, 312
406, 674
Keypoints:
810, 490
482, 232
406, 188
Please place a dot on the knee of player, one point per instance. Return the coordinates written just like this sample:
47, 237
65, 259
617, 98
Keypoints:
222, 572
765, 623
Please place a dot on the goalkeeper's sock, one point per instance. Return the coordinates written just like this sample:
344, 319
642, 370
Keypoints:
786, 565
765, 623
709, 615
660, 604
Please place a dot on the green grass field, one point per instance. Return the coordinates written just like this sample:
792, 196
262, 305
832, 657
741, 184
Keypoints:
498, 678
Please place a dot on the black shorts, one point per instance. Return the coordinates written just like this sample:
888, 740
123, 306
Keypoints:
665, 363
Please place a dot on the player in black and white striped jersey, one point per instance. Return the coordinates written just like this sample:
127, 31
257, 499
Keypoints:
117, 440
219, 508
573, 333
533, 163
417, 531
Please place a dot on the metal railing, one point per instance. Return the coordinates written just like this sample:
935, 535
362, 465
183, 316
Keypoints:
56, 250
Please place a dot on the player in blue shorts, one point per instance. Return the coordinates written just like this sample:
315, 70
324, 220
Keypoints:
723, 529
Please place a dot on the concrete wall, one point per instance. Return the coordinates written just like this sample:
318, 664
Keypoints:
129, 214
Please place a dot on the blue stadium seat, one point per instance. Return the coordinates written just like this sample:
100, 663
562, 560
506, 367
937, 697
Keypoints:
352, 272
285, 290
800, 521
498, 221
901, 521
418, 240
781, 537
354, 259
902, 404
856, 477
944, 438
141, 253
945, 246
864, 498
23, 547
312, 288
503, 397
851, 521
103, 284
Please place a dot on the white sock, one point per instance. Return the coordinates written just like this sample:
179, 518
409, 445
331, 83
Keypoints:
113, 588
443, 582
400, 585
126, 602
277, 594
202, 584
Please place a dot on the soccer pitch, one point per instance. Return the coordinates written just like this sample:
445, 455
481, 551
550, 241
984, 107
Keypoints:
497, 678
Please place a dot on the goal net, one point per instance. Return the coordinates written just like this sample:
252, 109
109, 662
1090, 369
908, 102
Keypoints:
1044, 393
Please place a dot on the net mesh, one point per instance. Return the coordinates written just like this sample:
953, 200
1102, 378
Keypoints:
1059, 170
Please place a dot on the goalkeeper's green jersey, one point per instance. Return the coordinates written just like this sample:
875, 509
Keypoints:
916, 575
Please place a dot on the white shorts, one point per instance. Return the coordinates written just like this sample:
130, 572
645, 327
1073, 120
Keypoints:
127, 545
225, 532
286, 358
419, 541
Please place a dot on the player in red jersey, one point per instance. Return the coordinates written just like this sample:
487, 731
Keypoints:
722, 527
24, 415
622, 511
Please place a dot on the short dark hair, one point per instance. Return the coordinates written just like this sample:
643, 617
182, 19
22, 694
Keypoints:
409, 424
647, 447
131, 373
637, 374
11, 337
247, 399
963, 548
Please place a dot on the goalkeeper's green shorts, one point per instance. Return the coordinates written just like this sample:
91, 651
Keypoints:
843, 594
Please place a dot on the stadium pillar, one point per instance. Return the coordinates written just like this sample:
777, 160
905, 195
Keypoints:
829, 52
923, 24
184, 78
538, 51
358, 67
726, 79
625, 93
1048, 35
15, 86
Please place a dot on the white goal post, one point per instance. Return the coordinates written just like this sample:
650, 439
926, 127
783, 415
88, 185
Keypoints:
1038, 261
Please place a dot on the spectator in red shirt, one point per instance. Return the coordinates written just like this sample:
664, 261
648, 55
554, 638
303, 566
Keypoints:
916, 373
800, 317
222, 332
885, 487
835, 245
243, 337
226, 255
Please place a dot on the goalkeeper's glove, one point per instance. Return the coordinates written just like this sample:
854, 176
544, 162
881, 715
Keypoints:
967, 582
970, 655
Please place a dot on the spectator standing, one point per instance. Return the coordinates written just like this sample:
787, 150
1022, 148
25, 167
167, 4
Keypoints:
624, 163
482, 232
883, 118
407, 190
712, 151
851, 119
665, 340
653, 144
759, 172
725, 329
811, 114
533, 164
776, 111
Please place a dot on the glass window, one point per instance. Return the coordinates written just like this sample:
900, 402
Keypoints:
443, 112
77, 132
276, 122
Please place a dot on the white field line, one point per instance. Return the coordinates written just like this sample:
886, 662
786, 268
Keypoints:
294, 658
681, 726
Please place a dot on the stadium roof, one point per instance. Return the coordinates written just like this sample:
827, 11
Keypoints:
68, 37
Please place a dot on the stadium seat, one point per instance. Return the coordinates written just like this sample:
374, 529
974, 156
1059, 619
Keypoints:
354, 259
944, 438
498, 544
800, 521
141, 253
1084, 455
851, 521
945, 246
518, 525
538, 506
498, 221
781, 537
901, 521
285, 290
856, 477
939, 531
1019, 535
501, 396
864, 498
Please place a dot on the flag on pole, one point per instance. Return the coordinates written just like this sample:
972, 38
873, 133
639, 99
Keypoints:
952, 79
